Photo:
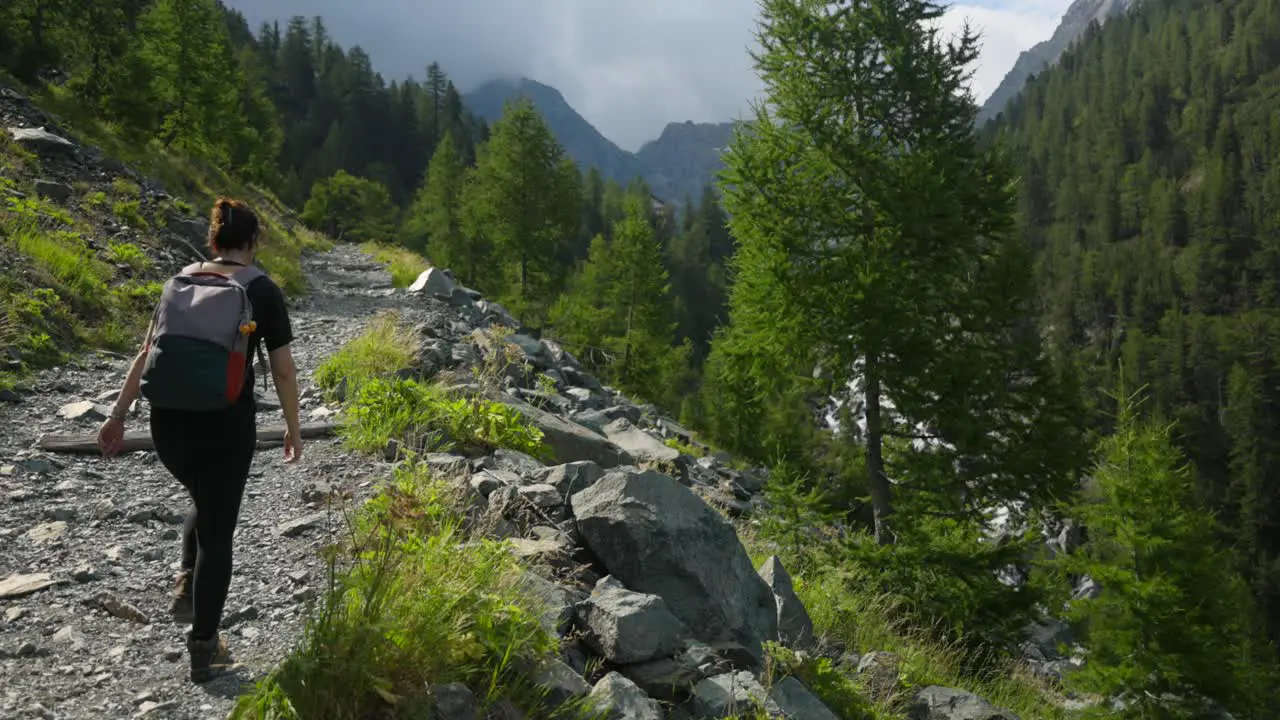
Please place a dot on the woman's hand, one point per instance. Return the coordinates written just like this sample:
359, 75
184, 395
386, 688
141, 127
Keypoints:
111, 437
292, 447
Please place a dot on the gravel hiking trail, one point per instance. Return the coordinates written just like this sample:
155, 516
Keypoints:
99, 642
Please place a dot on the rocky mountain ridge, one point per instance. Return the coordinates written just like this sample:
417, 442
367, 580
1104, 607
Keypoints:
1077, 19
678, 164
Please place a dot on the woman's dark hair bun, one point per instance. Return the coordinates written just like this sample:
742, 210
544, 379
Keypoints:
232, 225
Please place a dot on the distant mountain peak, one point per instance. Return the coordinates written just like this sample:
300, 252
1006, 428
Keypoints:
684, 158
1079, 15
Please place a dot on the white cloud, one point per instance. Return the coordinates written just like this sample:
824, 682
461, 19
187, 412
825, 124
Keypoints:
629, 66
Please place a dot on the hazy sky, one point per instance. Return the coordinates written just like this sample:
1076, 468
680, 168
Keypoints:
628, 66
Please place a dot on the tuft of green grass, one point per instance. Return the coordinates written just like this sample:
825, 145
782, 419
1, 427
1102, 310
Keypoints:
846, 607
414, 604
125, 189
126, 253
405, 265
385, 347
426, 417
130, 212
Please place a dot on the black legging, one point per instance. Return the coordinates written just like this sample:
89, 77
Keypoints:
210, 454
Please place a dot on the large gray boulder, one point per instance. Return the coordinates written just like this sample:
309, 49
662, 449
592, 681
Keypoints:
658, 537
629, 627
942, 703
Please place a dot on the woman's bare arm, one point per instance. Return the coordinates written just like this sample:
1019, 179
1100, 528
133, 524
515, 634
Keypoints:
132, 381
285, 375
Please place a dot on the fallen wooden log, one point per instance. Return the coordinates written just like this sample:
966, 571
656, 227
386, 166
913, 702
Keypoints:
137, 440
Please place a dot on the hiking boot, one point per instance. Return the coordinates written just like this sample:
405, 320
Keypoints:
183, 608
209, 658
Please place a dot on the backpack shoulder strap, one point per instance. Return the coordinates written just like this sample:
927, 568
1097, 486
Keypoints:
247, 274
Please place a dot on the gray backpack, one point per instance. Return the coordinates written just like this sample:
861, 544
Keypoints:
197, 357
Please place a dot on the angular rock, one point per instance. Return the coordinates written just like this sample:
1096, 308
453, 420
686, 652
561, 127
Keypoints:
571, 477
942, 703
621, 699
570, 442
542, 495
629, 627
557, 603
638, 443
668, 679
85, 409
56, 191
797, 702
294, 528
736, 694
562, 682
432, 281
517, 462
585, 398
658, 537
42, 141
795, 628
455, 701
16, 586
879, 673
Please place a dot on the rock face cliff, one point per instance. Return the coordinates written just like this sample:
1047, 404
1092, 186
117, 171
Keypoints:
1074, 22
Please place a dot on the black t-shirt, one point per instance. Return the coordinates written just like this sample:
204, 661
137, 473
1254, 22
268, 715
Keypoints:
274, 330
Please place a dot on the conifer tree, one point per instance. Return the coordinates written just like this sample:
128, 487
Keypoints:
434, 222
1174, 623
525, 197
617, 312
873, 239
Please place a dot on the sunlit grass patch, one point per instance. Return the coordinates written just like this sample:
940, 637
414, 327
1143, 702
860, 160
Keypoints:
385, 347
404, 264
412, 603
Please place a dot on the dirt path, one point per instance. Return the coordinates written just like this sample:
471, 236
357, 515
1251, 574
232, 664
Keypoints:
110, 530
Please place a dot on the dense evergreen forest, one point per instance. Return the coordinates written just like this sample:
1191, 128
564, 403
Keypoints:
921, 327
1151, 190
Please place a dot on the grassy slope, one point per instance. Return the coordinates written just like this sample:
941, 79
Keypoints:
67, 291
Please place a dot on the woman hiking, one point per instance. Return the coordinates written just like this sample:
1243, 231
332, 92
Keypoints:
196, 369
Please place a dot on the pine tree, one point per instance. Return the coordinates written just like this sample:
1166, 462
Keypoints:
872, 239
525, 197
195, 76
1174, 623
434, 222
617, 313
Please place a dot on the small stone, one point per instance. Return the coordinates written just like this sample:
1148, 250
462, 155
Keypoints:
117, 607
84, 410
14, 614
16, 586
47, 532
543, 496
294, 528
84, 574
